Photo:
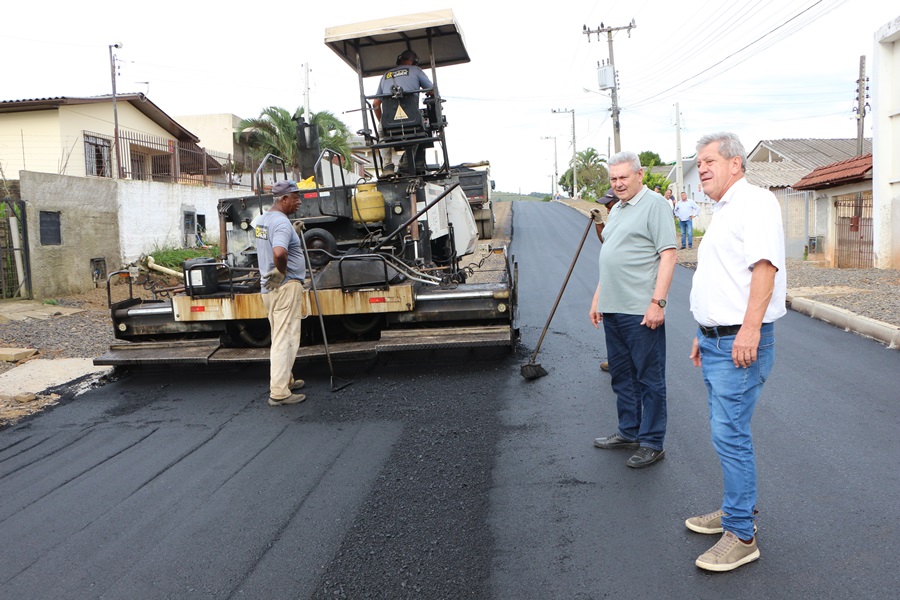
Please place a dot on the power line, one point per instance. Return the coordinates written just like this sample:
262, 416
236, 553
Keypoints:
742, 49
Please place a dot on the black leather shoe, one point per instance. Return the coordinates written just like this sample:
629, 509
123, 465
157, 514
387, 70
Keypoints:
615, 442
645, 457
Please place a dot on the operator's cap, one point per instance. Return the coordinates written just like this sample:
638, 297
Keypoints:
282, 188
608, 198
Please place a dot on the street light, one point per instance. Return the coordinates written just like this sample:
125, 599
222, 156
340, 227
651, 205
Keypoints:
574, 153
555, 185
112, 72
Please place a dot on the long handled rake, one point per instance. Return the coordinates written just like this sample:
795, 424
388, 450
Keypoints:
533, 370
335, 386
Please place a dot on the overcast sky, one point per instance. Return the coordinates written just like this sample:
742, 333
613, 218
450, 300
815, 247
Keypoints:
766, 69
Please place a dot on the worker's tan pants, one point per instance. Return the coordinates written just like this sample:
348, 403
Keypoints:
285, 309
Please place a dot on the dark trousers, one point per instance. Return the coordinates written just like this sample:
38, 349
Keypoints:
637, 365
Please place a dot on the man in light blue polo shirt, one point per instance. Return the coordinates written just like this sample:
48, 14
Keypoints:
637, 261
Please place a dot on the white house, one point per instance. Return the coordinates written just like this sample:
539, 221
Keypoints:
886, 156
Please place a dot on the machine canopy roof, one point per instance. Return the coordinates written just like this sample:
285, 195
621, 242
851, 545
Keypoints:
378, 43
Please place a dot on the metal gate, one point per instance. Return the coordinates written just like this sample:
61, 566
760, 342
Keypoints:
795, 217
855, 229
15, 277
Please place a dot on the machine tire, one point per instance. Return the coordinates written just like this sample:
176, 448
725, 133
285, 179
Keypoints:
361, 324
486, 228
320, 239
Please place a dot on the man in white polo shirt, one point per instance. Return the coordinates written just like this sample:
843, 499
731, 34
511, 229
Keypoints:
738, 292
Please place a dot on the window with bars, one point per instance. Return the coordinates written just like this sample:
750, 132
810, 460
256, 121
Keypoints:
50, 228
97, 156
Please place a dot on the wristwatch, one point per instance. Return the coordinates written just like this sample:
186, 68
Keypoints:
662, 303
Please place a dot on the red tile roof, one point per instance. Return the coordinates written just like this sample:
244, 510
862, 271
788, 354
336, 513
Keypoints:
858, 168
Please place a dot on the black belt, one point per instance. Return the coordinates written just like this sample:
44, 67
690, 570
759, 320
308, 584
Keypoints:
720, 331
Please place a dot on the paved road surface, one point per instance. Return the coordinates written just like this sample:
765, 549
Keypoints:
432, 478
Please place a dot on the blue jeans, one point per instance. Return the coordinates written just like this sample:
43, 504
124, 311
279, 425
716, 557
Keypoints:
637, 365
687, 229
733, 393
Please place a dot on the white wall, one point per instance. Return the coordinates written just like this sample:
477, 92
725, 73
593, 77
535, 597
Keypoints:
31, 141
885, 143
151, 215
216, 132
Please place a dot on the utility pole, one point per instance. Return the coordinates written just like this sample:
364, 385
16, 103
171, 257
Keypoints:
553, 188
306, 108
862, 104
679, 164
612, 63
574, 153
112, 71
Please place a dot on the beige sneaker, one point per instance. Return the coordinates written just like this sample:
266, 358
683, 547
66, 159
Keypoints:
296, 384
709, 523
729, 553
292, 399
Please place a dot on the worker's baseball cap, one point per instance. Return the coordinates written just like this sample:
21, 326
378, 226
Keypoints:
282, 188
609, 198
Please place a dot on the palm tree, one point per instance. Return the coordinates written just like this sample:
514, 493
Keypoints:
275, 132
593, 175
333, 133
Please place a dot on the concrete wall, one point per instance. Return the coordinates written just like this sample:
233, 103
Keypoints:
885, 143
88, 225
118, 220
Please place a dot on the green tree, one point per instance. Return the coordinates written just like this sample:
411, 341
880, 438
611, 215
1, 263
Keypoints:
649, 158
275, 132
593, 175
651, 180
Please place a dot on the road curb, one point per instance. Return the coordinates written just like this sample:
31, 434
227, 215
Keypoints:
839, 317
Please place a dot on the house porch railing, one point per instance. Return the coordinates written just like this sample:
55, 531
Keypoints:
152, 158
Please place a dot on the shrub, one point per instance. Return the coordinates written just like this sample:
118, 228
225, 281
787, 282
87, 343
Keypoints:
174, 257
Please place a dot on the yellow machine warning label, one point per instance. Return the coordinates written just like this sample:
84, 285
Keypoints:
400, 114
396, 73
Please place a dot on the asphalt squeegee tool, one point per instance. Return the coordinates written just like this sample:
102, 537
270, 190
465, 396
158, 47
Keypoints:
532, 370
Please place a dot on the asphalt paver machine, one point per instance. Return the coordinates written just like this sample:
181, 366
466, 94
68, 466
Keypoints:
386, 250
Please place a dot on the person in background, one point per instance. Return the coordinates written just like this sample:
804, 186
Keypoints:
670, 198
686, 210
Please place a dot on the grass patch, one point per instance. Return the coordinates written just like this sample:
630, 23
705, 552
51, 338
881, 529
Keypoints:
174, 257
